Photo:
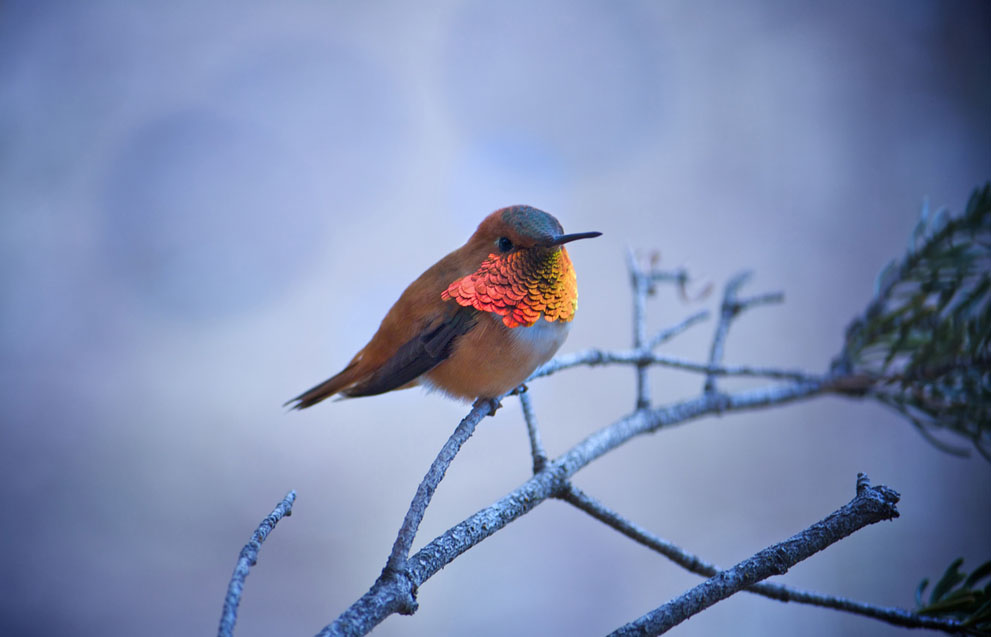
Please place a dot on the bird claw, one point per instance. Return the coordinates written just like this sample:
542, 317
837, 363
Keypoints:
522, 389
494, 404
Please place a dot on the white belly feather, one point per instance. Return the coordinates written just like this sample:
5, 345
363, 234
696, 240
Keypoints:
543, 338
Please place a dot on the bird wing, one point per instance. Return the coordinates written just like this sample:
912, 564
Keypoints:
417, 356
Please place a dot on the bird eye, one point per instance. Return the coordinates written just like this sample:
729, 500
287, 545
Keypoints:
505, 245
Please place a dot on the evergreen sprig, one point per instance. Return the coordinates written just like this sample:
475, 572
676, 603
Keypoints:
923, 345
959, 596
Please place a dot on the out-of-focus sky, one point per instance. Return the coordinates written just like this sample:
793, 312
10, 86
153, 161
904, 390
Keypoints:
206, 208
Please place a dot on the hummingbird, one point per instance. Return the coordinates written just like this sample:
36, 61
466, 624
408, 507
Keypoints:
478, 322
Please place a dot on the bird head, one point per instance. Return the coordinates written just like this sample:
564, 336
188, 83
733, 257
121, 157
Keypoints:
522, 270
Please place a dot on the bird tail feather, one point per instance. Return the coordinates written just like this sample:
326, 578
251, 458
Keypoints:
334, 385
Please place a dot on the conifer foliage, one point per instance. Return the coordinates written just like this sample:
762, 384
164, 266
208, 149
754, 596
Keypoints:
923, 345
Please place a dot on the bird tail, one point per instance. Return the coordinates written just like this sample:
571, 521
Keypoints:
334, 385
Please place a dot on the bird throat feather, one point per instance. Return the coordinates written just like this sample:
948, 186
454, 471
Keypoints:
520, 286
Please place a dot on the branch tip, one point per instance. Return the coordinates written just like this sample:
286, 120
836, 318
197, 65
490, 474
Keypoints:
248, 558
863, 483
773, 560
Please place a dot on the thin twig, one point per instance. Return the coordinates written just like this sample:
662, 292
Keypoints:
247, 559
729, 309
595, 357
536, 446
679, 276
895, 616
768, 298
870, 505
582, 501
666, 335
641, 286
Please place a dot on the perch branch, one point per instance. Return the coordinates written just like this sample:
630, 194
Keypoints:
385, 596
417, 508
395, 590
895, 616
870, 505
247, 559
551, 480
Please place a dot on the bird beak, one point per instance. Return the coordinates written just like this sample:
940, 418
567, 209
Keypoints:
567, 238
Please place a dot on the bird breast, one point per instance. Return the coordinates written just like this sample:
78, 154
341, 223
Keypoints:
493, 359
543, 338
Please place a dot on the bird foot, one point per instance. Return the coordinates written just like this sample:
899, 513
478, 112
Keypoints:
494, 404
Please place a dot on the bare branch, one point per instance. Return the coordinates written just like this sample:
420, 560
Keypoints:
871, 505
649, 421
247, 559
383, 599
596, 357
550, 481
895, 616
417, 508
578, 498
391, 593
386, 595
768, 298
729, 310
666, 335
641, 287
679, 276
536, 446
395, 590
643, 280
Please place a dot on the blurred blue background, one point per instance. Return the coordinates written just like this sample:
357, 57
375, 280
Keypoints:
207, 208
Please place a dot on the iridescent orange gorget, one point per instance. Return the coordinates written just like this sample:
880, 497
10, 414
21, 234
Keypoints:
521, 287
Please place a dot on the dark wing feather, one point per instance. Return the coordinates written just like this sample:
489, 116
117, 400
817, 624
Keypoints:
418, 355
